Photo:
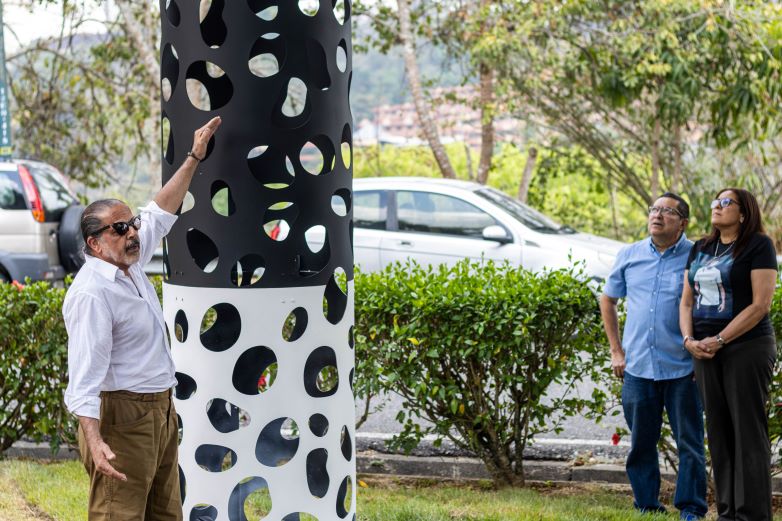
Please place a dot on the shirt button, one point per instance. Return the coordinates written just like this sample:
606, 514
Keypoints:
651, 347
651, 309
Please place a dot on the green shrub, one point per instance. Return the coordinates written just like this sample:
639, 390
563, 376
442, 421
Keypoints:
775, 401
474, 349
33, 365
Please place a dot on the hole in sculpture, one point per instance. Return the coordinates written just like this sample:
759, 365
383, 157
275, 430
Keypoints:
295, 325
267, 165
220, 327
342, 56
172, 12
166, 267
226, 417
289, 166
309, 7
335, 298
185, 386
248, 271
341, 12
319, 425
321, 377
203, 512
222, 202
311, 159
345, 497
317, 65
180, 326
351, 377
208, 87
346, 148
168, 336
213, 29
296, 98
351, 338
345, 443
340, 202
268, 14
277, 443
276, 186
167, 140
180, 429
299, 516
182, 484
317, 475
257, 151
215, 458
264, 65
187, 203
278, 219
169, 70
253, 372
315, 238
202, 250
250, 499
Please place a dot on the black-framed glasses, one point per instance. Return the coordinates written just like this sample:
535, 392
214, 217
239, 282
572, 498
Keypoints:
723, 203
121, 227
664, 210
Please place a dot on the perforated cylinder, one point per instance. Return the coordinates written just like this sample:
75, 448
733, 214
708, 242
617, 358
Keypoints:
258, 297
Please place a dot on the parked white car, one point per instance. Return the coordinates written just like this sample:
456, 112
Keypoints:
40, 237
438, 221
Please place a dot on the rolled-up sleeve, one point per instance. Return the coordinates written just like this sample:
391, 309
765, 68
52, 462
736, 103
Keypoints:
155, 224
616, 286
88, 322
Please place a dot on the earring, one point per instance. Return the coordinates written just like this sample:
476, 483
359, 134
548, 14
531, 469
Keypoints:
741, 220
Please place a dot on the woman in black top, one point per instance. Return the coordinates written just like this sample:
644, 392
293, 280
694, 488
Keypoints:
728, 287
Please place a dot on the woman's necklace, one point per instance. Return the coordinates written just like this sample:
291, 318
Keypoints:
717, 247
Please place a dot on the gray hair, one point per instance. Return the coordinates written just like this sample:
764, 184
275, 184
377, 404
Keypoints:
91, 219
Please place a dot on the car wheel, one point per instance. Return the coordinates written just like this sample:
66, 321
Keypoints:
4, 277
71, 243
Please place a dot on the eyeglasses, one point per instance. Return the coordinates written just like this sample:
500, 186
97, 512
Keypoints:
723, 203
664, 210
121, 227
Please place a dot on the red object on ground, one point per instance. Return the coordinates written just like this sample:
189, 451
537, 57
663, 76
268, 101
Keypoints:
615, 439
18, 285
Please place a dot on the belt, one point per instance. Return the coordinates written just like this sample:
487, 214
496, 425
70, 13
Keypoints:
137, 397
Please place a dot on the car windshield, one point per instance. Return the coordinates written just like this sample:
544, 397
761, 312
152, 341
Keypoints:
529, 217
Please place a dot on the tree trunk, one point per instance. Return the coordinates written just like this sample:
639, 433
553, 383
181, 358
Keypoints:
428, 127
486, 101
654, 183
526, 176
676, 177
468, 156
612, 196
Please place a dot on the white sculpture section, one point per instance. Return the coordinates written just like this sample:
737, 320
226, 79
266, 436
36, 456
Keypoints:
265, 401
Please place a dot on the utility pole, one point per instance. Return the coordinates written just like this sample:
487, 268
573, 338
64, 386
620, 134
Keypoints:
5, 115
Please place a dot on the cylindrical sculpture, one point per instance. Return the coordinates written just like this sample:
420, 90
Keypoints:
259, 294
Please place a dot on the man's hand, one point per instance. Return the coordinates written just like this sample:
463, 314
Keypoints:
618, 363
99, 450
202, 136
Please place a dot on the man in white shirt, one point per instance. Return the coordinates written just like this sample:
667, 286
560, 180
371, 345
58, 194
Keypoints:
119, 363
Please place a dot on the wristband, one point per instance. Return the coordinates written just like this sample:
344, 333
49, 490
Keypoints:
192, 154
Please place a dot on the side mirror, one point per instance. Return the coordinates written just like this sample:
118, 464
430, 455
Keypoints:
497, 234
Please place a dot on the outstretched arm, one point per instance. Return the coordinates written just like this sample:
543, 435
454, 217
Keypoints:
170, 197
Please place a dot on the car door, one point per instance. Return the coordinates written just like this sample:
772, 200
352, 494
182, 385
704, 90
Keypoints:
436, 228
370, 219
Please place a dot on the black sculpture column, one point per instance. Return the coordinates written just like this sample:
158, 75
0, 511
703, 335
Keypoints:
259, 266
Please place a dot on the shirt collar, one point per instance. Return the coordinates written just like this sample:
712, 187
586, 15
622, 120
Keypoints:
105, 269
672, 249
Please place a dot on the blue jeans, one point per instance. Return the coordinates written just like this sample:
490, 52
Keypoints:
643, 401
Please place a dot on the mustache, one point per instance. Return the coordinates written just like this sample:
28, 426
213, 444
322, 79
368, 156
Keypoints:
134, 243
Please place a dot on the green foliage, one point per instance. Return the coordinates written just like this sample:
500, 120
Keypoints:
775, 400
33, 365
474, 349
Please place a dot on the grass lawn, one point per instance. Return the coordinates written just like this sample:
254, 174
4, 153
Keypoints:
33, 491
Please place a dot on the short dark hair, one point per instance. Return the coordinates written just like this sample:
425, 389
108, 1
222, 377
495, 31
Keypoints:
681, 204
91, 219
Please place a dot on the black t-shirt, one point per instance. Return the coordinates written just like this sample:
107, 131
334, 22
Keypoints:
722, 286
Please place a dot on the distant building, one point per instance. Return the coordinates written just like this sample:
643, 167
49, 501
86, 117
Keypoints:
456, 117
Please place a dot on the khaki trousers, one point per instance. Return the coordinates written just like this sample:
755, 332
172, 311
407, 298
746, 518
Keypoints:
142, 431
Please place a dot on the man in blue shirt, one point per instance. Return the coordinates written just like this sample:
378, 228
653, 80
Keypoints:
650, 357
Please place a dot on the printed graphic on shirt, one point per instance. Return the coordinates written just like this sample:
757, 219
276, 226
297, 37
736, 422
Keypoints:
710, 282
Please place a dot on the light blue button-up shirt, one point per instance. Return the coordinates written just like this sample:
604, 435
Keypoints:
652, 283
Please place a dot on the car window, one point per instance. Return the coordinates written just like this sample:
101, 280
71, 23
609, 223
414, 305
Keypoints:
437, 213
56, 197
370, 209
11, 192
528, 216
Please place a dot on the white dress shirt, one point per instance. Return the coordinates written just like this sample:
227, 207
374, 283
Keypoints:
116, 333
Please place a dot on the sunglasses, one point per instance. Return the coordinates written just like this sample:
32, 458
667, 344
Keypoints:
723, 203
121, 227
664, 210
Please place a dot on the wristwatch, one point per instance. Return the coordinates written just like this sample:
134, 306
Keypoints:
720, 340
